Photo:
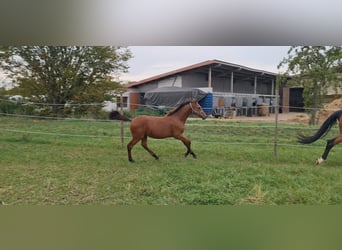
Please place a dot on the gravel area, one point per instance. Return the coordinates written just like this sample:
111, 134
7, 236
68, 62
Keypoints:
291, 117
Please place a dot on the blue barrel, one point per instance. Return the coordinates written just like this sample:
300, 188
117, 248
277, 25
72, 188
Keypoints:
207, 103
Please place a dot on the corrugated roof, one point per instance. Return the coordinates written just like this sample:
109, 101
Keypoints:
195, 66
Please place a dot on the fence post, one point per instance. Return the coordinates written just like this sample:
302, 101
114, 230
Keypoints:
121, 122
276, 121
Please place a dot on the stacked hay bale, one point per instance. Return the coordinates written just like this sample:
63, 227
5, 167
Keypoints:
263, 109
328, 109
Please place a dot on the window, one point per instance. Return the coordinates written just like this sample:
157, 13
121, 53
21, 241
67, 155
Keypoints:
125, 101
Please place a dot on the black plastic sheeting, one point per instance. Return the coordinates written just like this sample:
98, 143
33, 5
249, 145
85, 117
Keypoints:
171, 96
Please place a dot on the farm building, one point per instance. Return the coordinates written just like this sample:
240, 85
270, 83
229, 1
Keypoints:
217, 84
293, 96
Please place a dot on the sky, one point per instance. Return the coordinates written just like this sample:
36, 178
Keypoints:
149, 61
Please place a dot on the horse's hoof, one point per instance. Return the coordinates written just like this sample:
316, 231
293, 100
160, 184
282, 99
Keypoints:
131, 160
319, 161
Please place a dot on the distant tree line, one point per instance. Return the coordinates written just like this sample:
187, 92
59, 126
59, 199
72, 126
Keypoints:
64, 75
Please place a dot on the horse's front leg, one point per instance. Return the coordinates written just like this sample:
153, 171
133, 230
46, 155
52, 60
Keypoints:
187, 143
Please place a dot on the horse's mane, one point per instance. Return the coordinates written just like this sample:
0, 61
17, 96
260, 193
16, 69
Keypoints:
178, 107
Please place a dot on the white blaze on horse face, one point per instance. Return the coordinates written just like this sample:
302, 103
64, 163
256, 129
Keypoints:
319, 161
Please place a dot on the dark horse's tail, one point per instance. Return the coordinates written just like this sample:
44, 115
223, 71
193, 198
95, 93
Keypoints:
323, 130
115, 115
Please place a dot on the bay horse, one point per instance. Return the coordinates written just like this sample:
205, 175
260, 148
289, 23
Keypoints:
322, 131
170, 125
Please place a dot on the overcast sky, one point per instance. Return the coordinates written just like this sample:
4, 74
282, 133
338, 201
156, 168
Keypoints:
152, 60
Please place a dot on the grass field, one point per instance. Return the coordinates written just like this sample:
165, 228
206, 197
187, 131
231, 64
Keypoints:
82, 162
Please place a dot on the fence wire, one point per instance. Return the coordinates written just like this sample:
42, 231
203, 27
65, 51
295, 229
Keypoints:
226, 134
229, 124
126, 104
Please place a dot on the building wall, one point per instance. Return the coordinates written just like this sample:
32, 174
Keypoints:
134, 99
194, 80
333, 91
264, 88
246, 87
145, 87
221, 84
175, 81
200, 80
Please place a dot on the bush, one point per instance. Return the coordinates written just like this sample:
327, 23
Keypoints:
9, 107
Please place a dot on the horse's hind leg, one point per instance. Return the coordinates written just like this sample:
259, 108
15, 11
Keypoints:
187, 143
144, 144
330, 144
328, 147
130, 145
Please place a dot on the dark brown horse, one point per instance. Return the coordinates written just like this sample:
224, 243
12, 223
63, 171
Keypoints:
322, 131
171, 125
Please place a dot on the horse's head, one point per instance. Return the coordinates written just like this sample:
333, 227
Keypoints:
197, 109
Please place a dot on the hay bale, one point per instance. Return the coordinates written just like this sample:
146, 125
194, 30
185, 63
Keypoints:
263, 109
328, 109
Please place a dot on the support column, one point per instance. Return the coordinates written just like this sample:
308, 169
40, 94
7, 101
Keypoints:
272, 91
209, 78
232, 82
255, 84
286, 100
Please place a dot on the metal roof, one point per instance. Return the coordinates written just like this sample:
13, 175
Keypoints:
217, 65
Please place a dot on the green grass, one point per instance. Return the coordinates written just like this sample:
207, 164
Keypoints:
82, 162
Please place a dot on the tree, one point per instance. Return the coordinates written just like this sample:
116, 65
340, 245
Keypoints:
316, 68
60, 75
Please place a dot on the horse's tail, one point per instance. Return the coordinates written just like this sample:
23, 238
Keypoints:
323, 130
115, 115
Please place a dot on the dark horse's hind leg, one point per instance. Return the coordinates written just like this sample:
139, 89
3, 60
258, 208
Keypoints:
187, 143
330, 144
144, 144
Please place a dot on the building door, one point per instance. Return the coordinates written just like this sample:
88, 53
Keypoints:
296, 100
